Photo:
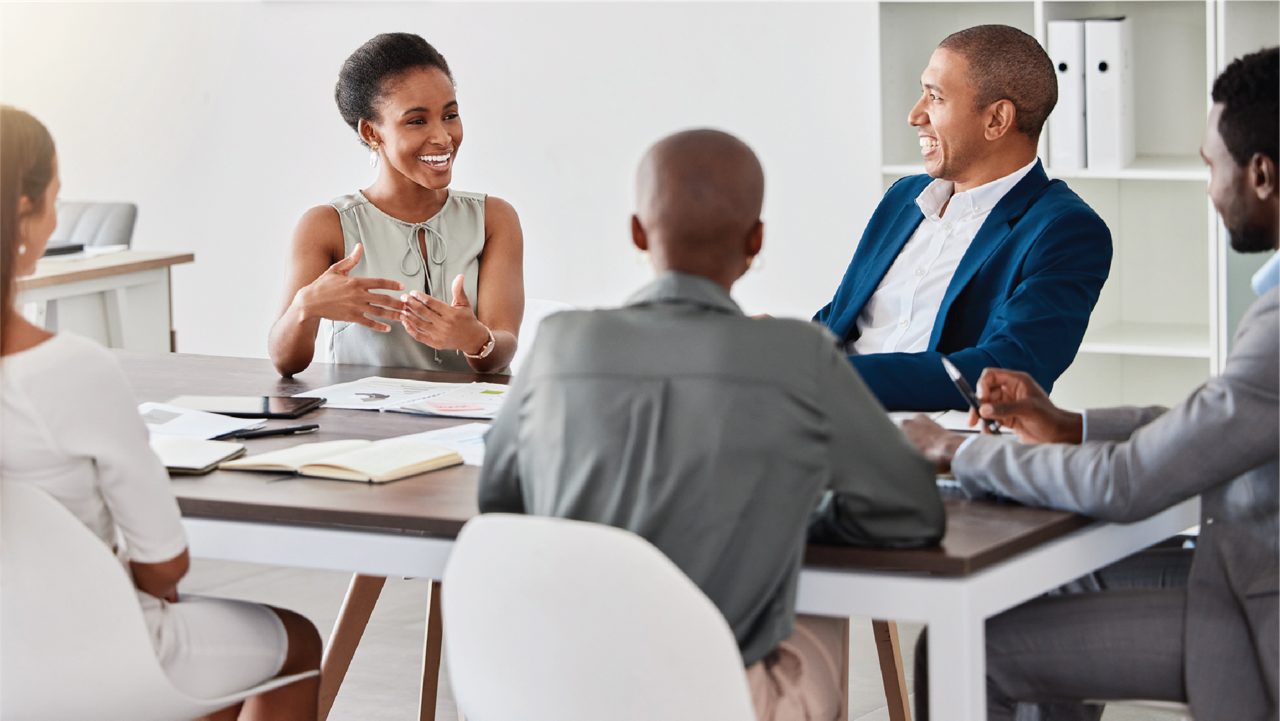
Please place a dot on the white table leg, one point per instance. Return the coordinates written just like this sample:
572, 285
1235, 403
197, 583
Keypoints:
958, 667
114, 300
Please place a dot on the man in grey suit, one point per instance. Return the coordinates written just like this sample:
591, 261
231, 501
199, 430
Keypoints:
720, 438
1171, 624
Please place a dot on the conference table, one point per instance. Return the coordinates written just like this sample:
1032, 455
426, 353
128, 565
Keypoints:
993, 556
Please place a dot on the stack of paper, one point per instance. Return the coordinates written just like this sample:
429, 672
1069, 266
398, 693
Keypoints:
163, 419
450, 400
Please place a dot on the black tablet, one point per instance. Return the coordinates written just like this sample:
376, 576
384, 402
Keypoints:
250, 406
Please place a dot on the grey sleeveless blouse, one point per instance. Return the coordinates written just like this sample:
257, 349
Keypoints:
454, 240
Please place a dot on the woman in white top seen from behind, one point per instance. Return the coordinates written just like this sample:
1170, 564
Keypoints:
71, 427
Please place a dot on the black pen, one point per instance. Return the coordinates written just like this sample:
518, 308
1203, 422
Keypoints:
266, 432
962, 385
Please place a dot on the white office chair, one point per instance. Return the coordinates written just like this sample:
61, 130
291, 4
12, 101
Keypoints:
554, 620
94, 224
73, 643
535, 310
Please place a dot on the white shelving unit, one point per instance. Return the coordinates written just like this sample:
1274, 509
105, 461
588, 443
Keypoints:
1176, 291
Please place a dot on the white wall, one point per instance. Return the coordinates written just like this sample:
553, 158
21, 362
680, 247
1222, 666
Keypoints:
219, 121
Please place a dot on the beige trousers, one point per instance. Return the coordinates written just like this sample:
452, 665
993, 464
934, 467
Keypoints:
800, 679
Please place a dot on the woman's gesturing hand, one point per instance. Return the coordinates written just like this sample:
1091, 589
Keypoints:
445, 326
337, 295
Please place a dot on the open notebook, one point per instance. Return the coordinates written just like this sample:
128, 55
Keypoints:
353, 460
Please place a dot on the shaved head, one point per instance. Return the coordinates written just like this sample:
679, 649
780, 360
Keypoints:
699, 194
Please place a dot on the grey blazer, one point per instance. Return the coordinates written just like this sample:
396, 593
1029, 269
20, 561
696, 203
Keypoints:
1222, 442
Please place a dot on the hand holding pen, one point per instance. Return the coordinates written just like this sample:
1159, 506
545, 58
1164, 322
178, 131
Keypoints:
1015, 400
962, 385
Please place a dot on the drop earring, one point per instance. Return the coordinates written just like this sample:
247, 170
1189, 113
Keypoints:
373, 155
22, 248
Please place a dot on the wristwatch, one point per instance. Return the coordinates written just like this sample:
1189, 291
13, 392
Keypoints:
486, 350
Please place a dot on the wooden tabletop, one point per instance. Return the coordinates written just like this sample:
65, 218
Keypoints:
54, 271
439, 503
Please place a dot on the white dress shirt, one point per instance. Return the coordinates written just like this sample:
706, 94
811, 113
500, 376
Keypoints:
900, 315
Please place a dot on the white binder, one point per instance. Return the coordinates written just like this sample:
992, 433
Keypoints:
1108, 86
1066, 122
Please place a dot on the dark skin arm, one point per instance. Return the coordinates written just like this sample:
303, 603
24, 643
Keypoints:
319, 285
161, 579
1015, 400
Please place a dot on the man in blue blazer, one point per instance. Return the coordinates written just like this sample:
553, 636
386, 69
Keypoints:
983, 259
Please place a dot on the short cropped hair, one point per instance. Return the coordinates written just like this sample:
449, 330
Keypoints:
1248, 90
1008, 64
364, 74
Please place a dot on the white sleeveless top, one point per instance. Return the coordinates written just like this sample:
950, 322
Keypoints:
454, 241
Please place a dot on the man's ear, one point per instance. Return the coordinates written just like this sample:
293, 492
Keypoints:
755, 239
1002, 117
1261, 176
638, 237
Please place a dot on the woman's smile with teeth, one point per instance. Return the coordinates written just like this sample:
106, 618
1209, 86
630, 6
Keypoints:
437, 160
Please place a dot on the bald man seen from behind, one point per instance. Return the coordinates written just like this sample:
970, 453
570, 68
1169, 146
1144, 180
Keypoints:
713, 435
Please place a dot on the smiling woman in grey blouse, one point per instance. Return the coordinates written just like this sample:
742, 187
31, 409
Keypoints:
410, 272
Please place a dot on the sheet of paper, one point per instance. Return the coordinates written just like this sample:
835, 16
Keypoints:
376, 393
900, 417
467, 440
92, 251
163, 419
958, 421
460, 400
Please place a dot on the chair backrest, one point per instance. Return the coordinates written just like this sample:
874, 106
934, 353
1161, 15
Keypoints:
535, 310
91, 224
555, 620
73, 643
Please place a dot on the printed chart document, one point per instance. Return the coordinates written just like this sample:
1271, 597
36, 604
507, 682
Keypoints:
463, 400
380, 461
163, 419
451, 400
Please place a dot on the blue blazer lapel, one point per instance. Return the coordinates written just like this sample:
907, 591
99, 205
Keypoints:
991, 235
872, 271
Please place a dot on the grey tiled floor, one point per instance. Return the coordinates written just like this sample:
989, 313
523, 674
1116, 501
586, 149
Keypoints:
382, 684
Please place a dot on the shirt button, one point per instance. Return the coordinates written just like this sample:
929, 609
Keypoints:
902, 324
1208, 521
920, 272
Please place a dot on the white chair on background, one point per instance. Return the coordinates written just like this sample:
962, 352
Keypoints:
555, 620
73, 643
94, 224
535, 310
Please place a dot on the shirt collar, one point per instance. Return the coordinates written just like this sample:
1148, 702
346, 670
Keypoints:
1268, 276
974, 202
675, 287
